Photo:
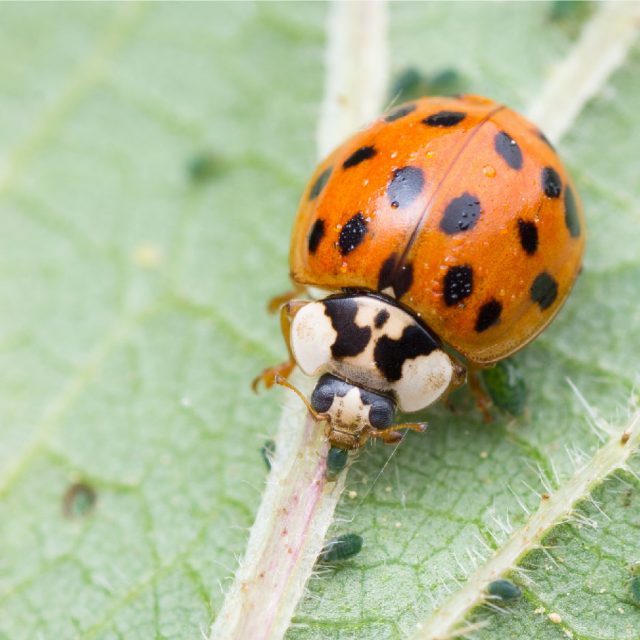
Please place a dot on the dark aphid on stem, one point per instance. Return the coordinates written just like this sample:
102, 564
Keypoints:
504, 589
336, 462
506, 386
268, 450
341, 548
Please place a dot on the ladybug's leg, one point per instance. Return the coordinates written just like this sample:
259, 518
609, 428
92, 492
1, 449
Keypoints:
392, 435
482, 398
284, 369
277, 302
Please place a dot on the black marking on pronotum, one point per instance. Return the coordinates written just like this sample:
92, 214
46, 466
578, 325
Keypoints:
381, 318
461, 214
405, 186
488, 315
571, 213
445, 119
528, 232
316, 234
544, 290
382, 409
352, 234
390, 354
400, 280
508, 148
458, 284
551, 182
400, 112
320, 183
350, 339
358, 156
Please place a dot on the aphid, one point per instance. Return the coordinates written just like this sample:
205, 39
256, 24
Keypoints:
336, 462
441, 266
411, 84
634, 588
204, 166
506, 387
504, 589
79, 500
341, 548
268, 450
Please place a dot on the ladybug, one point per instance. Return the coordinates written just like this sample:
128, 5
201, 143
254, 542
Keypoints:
448, 234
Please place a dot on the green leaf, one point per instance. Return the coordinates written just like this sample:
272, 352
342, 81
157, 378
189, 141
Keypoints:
151, 158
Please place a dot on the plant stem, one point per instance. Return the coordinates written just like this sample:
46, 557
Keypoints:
557, 507
299, 502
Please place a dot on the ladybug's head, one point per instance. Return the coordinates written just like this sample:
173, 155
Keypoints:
351, 412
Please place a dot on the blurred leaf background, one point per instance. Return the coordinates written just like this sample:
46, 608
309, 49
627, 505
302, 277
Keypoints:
151, 158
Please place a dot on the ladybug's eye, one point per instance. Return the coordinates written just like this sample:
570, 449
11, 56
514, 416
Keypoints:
382, 413
323, 394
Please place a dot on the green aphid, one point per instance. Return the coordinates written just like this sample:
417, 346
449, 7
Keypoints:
569, 10
506, 387
411, 84
336, 462
504, 589
341, 548
634, 588
79, 500
268, 451
204, 166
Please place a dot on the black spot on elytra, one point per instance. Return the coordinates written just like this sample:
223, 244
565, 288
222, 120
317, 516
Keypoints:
551, 182
445, 119
381, 318
320, 183
350, 339
389, 354
458, 284
461, 214
528, 232
316, 234
400, 112
508, 148
400, 280
571, 213
405, 186
544, 290
358, 156
352, 234
488, 315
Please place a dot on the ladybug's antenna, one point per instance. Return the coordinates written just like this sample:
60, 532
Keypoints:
283, 382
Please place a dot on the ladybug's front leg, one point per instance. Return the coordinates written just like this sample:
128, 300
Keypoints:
391, 435
482, 398
283, 370
278, 302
